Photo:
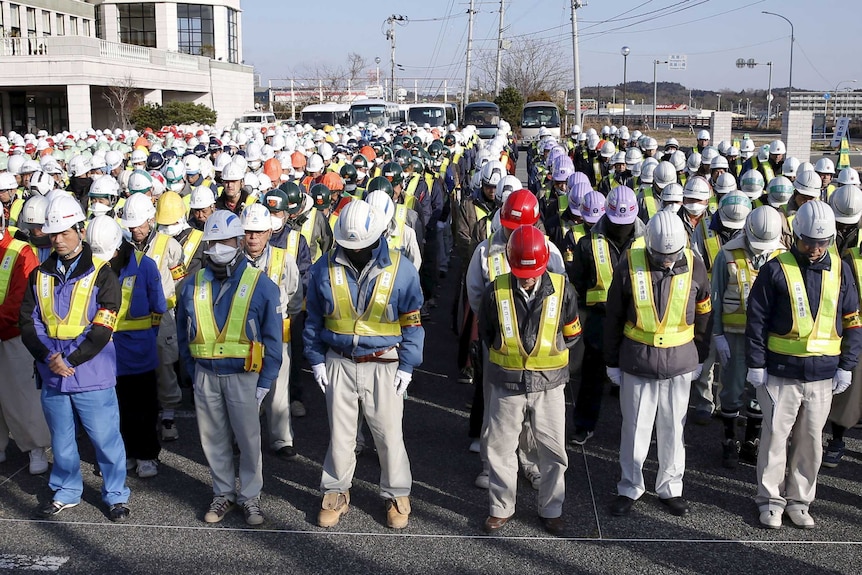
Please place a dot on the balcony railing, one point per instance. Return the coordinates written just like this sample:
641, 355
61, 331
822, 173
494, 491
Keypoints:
129, 52
23, 47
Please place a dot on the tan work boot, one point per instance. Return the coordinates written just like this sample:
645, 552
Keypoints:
397, 512
333, 507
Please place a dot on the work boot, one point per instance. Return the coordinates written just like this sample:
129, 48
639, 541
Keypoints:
748, 451
397, 512
334, 505
730, 453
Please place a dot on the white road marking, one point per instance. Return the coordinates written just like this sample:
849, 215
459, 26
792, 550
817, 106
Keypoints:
32, 562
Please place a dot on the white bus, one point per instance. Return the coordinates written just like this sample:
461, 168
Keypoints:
538, 115
434, 114
485, 116
255, 121
319, 115
378, 112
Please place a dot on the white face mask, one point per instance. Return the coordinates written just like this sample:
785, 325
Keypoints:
221, 254
99, 209
173, 229
670, 207
298, 174
277, 223
695, 209
360, 175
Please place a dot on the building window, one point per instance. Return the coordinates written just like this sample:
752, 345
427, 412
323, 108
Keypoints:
73, 25
98, 12
31, 22
138, 24
86, 25
232, 36
46, 23
14, 20
61, 25
195, 27
2, 25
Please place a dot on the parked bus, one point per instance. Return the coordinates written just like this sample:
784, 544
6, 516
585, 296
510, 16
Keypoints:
485, 116
254, 120
378, 112
537, 115
435, 115
319, 115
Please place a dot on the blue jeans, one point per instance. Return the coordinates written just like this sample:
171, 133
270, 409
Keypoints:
100, 416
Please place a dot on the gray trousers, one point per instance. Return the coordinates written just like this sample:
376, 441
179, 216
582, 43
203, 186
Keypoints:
648, 403
508, 412
372, 385
20, 404
277, 405
703, 397
227, 409
167, 347
793, 410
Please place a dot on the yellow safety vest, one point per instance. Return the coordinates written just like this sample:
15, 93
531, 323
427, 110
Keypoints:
274, 270
8, 264
344, 318
410, 193
124, 321
177, 273
480, 215
711, 244
307, 230
190, 246
293, 244
672, 330
231, 341
768, 174
545, 355
15, 210
809, 336
76, 320
604, 268
396, 239
650, 205
497, 265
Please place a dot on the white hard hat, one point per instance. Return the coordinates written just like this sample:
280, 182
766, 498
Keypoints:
223, 225
78, 166
677, 159
708, 154
751, 183
359, 225
608, 150
104, 236
325, 151
789, 167
804, 167
848, 176
648, 170
650, 144
692, 165
42, 183
618, 158
14, 164
493, 172
697, 188
233, 171
221, 162
192, 164
733, 208
140, 182
380, 200
703, 135
665, 174
814, 219
846, 203
665, 233
251, 180
256, 218
114, 159
505, 187
724, 184
777, 147
747, 145
63, 212
139, 209
779, 190
808, 183
315, 164
202, 197
104, 186
33, 212
763, 229
824, 166
718, 162
138, 157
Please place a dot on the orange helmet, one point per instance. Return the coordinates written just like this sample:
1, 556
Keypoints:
520, 209
332, 181
369, 153
527, 252
297, 160
272, 168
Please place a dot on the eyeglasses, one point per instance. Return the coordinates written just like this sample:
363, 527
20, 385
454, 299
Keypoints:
813, 244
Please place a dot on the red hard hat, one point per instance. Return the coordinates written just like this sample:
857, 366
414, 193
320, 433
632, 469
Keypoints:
520, 209
527, 252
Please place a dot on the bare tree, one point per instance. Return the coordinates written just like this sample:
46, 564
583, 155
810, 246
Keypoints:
529, 65
356, 67
122, 97
334, 80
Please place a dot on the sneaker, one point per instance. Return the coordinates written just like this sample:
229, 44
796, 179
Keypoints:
482, 481
334, 505
397, 512
38, 461
475, 446
53, 508
729, 453
533, 476
118, 512
131, 463
581, 436
169, 430
770, 519
147, 468
466, 376
748, 451
253, 514
218, 509
832, 454
297, 409
800, 517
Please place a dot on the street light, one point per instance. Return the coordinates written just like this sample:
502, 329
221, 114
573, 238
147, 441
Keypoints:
625, 52
655, 63
792, 40
834, 102
751, 63
377, 63
719, 102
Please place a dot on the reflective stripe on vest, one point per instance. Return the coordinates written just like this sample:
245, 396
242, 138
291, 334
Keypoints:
124, 322
13, 250
672, 330
711, 244
274, 271
497, 265
396, 238
768, 173
604, 268
231, 340
293, 244
650, 205
745, 276
76, 320
307, 231
190, 246
159, 248
15, 210
545, 355
345, 319
809, 336
410, 193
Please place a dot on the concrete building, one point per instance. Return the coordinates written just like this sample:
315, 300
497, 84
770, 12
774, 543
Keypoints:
63, 60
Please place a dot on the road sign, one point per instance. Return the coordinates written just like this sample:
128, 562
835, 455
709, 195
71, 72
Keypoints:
676, 62
842, 126
826, 96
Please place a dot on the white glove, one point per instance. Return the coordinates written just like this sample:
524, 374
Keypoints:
319, 371
756, 376
259, 394
841, 381
697, 371
722, 349
402, 380
614, 374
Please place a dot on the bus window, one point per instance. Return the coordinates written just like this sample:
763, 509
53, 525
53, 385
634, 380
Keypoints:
535, 117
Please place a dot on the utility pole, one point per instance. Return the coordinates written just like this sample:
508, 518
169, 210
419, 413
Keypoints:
576, 67
390, 35
470, 12
499, 49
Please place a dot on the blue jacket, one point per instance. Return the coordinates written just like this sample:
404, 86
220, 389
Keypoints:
263, 324
769, 311
136, 350
406, 297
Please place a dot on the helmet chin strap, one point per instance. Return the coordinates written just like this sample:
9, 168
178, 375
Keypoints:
74, 253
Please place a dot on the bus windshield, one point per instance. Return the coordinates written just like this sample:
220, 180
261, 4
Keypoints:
481, 117
319, 119
538, 116
374, 114
432, 115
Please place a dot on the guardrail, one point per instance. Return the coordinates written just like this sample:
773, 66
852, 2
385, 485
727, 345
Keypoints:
129, 52
23, 47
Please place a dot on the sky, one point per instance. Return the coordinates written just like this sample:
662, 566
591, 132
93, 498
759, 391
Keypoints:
283, 37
